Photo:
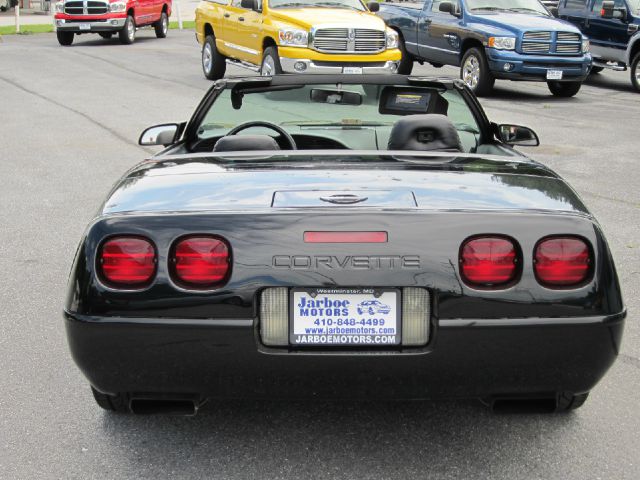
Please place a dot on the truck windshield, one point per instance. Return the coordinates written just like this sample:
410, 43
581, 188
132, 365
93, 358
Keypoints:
516, 6
348, 4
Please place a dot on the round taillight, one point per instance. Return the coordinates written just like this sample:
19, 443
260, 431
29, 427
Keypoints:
127, 262
201, 262
488, 262
562, 262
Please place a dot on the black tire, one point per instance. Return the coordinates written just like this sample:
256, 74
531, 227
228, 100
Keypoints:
564, 89
128, 33
162, 26
270, 62
567, 401
106, 35
65, 38
115, 403
595, 70
474, 71
3, 9
214, 64
635, 72
406, 62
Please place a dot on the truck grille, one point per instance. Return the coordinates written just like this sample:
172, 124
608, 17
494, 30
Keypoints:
566, 43
345, 40
86, 8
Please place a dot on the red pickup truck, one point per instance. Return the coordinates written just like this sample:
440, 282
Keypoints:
107, 17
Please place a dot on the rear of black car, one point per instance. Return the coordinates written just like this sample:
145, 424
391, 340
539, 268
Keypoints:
489, 302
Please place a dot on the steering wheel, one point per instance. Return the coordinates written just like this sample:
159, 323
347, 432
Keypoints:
271, 126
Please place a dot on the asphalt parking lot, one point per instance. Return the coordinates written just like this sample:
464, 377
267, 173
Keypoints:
70, 120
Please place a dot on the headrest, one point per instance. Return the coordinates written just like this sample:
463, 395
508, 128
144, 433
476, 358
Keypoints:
431, 132
241, 143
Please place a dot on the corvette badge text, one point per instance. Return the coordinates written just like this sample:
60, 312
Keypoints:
347, 262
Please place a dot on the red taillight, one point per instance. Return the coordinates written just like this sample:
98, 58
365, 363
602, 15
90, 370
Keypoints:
127, 262
562, 261
488, 261
201, 262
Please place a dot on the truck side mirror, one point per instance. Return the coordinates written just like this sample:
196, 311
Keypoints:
448, 7
373, 6
517, 135
249, 4
553, 11
609, 10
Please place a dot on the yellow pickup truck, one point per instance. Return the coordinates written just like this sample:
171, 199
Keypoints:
295, 36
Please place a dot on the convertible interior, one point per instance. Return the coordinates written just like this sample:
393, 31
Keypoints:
342, 117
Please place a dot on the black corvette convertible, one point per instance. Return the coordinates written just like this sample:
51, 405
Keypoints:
342, 237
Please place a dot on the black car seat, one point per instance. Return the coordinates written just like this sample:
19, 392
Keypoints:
241, 143
430, 132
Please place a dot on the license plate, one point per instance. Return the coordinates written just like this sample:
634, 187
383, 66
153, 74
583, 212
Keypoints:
554, 74
345, 317
85, 26
356, 70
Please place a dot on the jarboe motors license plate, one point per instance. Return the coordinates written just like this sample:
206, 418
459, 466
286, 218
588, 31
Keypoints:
345, 316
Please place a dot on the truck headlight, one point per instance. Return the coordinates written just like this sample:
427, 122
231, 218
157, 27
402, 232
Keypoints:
59, 7
293, 38
392, 39
118, 7
585, 46
502, 43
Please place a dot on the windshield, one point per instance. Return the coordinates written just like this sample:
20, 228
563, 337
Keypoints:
348, 4
515, 6
355, 117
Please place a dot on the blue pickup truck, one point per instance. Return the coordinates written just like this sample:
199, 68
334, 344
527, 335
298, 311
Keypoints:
613, 28
491, 39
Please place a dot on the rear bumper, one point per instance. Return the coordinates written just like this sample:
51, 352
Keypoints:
224, 358
535, 67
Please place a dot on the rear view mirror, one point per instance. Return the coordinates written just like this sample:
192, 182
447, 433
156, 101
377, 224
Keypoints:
337, 97
373, 6
159, 135
517, 135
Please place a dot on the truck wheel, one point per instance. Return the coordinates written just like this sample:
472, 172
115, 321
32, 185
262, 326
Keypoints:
635, 72
564, 89
106, 35
595, 70
406, 62
214, 64
567, 402
114, 403
65, 38
270, 63
162, 26
474, 71
128, 34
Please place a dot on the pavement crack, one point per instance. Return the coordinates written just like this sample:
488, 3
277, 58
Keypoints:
135, 72
629, 360
611, 199
77, 112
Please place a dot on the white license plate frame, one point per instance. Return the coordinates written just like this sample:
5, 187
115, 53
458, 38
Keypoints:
376, 323
554, 74
84, 26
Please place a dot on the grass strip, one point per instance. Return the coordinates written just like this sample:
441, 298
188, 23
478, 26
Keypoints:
48, 28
